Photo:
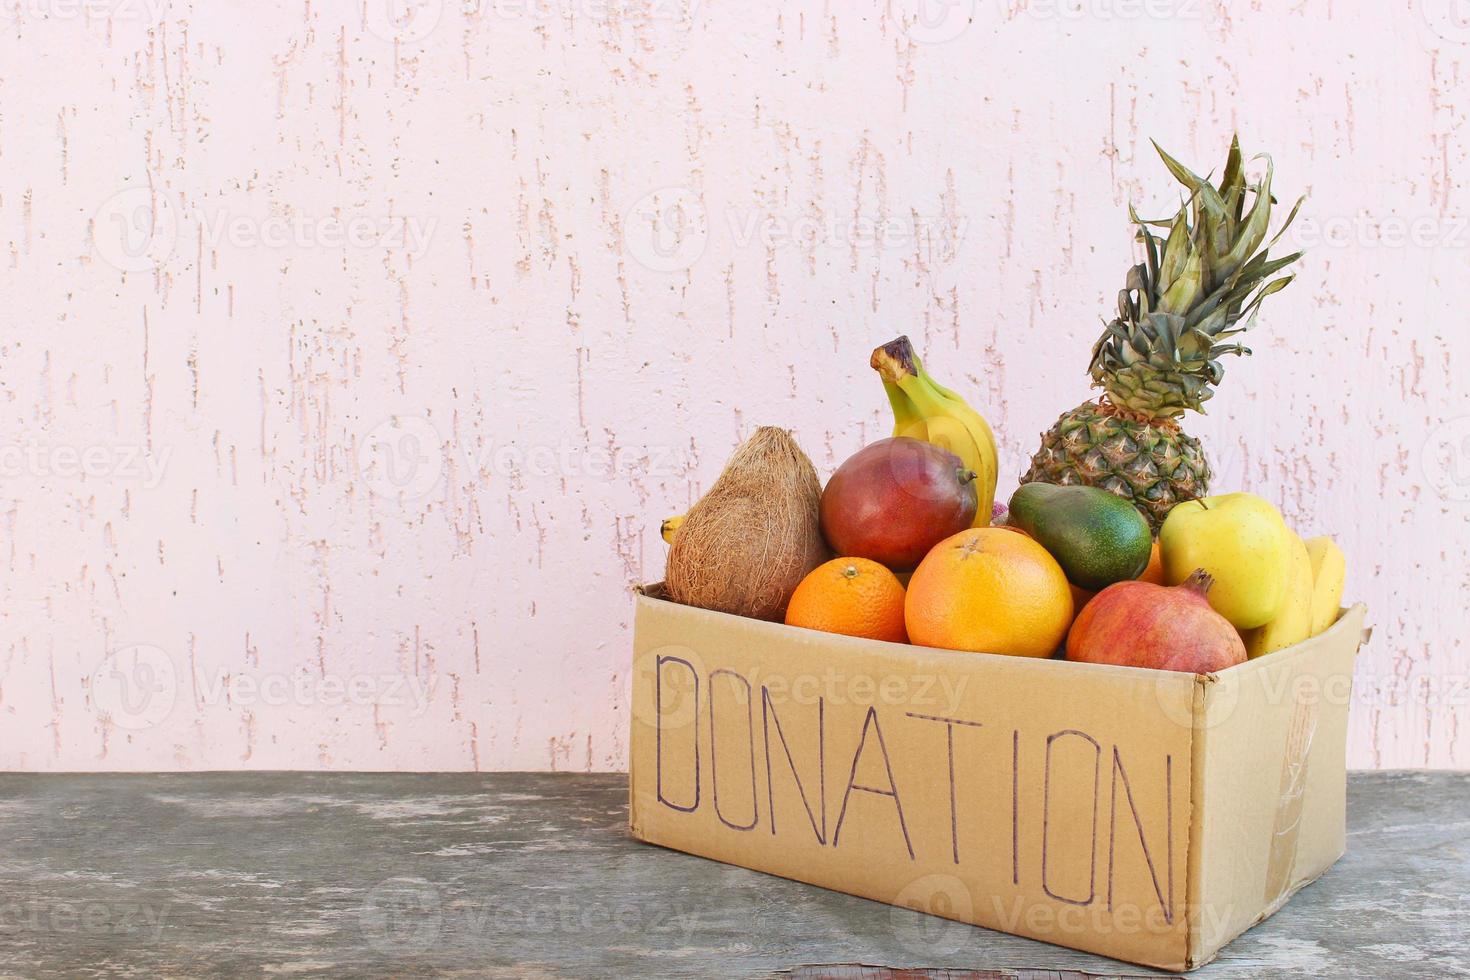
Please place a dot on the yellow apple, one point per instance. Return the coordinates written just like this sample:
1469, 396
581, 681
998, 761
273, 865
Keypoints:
1242, 541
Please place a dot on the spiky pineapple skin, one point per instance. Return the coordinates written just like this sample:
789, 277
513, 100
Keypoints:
1154, 464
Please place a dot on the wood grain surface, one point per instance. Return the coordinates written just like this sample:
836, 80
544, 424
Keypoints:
534, 876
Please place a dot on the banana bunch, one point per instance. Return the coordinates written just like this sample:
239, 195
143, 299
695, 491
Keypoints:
1329, 577
924, 409
1313, 598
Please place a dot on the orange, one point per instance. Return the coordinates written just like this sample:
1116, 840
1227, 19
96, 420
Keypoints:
1080, 597
990, 591
853, 596
1155, 571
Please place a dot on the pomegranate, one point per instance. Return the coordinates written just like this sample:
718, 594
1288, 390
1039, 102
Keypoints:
1139, 624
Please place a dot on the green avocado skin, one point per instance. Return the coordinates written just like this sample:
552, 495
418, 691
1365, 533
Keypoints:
1096, 536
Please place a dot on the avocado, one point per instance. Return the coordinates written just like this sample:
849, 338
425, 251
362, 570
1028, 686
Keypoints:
1096, 536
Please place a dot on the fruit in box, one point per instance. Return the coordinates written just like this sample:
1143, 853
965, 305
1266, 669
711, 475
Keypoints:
1160, 356
894, 500
1155, 571
1080, 598
851, 596
1139, 624
1153, 574
926, 410
1097, 537
1243, 543
1329, 575
1293, 623
1114, 500
989, 590
747, 544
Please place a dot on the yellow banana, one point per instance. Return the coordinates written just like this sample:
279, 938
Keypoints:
1294, 623
980, 431
924, 409
1329, 574
669, 526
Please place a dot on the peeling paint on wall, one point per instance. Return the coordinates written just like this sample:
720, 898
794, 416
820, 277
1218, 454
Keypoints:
354, 352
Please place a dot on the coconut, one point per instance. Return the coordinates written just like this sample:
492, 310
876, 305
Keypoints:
747, 544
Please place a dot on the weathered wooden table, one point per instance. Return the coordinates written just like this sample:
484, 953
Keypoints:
523, 875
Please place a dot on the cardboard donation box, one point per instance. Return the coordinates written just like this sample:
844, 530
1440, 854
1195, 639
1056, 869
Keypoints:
1150, 816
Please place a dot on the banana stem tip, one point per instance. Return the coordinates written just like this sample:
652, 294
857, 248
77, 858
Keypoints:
895, 360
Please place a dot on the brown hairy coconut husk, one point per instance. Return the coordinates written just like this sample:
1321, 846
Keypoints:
747, 544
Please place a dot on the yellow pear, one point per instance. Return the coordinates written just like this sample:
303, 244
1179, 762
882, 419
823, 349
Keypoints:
1329, 575
1293, 623
1242, 541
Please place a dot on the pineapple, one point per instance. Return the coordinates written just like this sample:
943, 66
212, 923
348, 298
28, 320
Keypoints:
1160, 358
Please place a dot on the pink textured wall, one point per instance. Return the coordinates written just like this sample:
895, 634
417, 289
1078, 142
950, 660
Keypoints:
349, 362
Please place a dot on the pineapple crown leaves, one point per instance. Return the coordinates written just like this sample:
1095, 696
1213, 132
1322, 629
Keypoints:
1199, 286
